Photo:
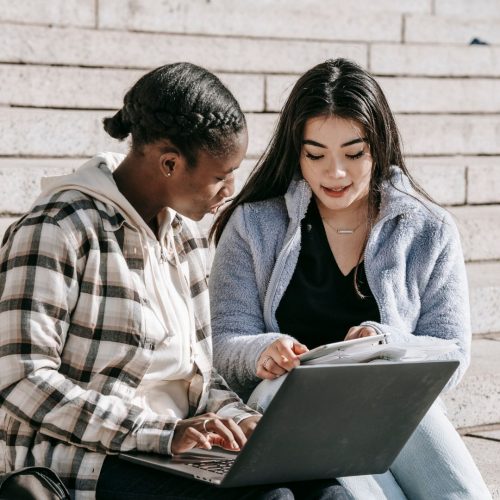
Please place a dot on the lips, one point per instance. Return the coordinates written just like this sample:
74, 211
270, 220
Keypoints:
336, 191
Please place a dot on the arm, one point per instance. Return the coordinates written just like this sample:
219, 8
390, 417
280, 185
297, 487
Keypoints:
445, 310
237, 318
39, 287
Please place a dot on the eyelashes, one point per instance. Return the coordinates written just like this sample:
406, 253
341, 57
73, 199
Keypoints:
351, 157
356, 156
313, 157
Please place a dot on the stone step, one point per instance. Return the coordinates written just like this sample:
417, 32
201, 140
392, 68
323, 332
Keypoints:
79, 133
475, 402
80, 13
426, 28
484, 287
486, 453
104, 48
413, 95
434, 60
168, 15
479, 225
449, 180
464, 8
70, 87
479, 228
274, 20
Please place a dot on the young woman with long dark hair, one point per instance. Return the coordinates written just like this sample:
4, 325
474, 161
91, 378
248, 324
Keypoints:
332, 239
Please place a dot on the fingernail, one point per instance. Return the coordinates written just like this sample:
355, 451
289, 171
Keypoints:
234, 445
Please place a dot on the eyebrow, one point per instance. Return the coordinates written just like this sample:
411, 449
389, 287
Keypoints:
231, 170
348, 143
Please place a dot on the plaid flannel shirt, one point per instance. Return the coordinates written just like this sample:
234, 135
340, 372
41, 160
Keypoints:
73, 345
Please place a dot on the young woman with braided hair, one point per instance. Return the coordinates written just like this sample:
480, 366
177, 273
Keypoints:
106, 342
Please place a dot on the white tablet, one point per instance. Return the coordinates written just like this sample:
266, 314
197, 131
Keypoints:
325, 349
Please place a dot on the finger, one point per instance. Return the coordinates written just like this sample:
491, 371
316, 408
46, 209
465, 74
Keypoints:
218, 429
237, 431
352, 333
367, 332
287, 359
195, 439
271, 366
299, 348
264, 372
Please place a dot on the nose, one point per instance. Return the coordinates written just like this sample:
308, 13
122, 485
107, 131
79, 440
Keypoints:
228, 188
336, 169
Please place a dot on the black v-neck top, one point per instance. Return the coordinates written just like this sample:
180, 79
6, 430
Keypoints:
321, 304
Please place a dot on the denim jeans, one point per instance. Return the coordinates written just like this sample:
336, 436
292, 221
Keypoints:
122, 480
433, 464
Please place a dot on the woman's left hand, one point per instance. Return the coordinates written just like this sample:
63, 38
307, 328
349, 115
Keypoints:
357, 332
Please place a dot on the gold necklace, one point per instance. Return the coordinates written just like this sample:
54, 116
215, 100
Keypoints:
342, 230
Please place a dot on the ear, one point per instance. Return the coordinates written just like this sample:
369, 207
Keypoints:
169, 162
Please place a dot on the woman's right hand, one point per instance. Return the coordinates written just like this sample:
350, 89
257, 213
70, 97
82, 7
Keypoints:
280, 357
204, 431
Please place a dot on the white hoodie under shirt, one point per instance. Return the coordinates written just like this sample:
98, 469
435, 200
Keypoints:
169, 320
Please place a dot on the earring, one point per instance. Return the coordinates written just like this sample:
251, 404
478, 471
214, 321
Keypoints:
170, 165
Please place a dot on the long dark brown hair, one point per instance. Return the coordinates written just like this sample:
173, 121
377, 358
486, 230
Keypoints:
337, 87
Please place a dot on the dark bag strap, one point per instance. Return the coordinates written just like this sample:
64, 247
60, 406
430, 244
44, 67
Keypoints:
33, 483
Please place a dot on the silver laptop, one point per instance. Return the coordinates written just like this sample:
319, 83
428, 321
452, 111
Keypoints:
325, 421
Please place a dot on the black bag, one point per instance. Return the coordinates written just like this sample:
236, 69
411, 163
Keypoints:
33, 483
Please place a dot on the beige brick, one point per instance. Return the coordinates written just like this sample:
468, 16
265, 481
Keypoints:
442, 178
36, 132
486, 453
413, 95
278, 88
56, 133
242, 174
66, 87
434, 60
20, 180
271, 21
5, 222
341, 5
483, 180
479, 230
260, 129
446, 95
484, 287
106, 48
438, 29
248, 90
478, 8
54, 12
422, 134
450, 134
476, 401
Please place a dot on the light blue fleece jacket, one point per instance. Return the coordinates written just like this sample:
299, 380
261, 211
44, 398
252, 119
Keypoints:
413, 261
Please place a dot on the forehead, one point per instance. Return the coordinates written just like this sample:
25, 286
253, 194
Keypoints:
332, 130
229, 159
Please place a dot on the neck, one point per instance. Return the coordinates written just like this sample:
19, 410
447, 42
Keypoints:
348, 217
134, 180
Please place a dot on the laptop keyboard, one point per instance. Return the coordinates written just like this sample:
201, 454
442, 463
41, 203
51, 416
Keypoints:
220, 466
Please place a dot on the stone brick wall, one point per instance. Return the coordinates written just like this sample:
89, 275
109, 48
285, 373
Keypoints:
65, 64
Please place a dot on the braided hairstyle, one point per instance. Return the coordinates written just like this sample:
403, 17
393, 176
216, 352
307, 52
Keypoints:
184, 103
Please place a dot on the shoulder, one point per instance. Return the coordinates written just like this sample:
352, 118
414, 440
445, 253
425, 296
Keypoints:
265, 213
75, 213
